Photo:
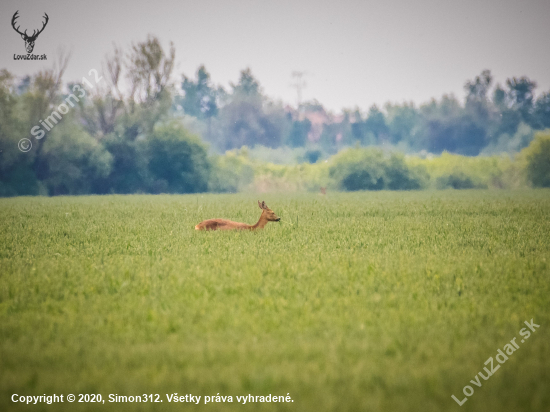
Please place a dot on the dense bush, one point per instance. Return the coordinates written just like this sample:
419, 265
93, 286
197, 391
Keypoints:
178, 162
231, 172
18, 180
451, 170
537, 160
129, 173
458, 180
72, 161
311, 156
371, 169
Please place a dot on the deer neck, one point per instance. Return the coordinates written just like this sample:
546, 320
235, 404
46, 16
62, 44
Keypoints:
261, 223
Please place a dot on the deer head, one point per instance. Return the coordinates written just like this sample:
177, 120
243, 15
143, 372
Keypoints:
29, 40
268, 213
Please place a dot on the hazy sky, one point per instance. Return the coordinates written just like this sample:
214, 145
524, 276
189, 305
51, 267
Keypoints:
355, 53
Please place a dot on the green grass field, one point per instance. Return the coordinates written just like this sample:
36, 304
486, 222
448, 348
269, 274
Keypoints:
386, 301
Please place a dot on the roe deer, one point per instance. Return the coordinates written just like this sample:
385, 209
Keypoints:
268, 215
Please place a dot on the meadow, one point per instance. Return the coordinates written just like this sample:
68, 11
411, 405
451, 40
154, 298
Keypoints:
366, 301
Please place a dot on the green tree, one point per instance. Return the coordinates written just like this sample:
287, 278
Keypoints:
448, 127
299, 130
512, 107
371, 169
149, 68
17, 176
542, 111
39, 102
521, 97
457, 180
200, 97
249, 119
178, 161
376, 125
357, 129
404, 123
103, 110
129, 171
537, 160
456, 135
231, 172
72, 161
477, 105
477, 90
247, 85
499, 97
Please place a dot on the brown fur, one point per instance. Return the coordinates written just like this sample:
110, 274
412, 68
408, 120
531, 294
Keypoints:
267, 215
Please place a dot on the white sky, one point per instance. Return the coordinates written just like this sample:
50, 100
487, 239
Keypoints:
355, 53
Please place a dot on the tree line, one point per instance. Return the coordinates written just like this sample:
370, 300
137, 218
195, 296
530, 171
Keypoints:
491, 119
136, 131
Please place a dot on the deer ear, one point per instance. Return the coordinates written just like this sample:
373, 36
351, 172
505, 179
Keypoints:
260, 205
264, 206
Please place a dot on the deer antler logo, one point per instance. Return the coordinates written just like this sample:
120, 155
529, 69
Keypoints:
29, 40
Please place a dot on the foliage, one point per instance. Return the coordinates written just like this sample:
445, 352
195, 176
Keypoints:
117, 122
373, 129
542, 111
72, 161
537, 160
149, 70
200, 98
248, 119
458, 180
298, 133
16, 173
283, 155
178, 161
232, 172
403, 123
129, 172
450, 170
521, 96
371, 169
447, 127
510, 144
312, 156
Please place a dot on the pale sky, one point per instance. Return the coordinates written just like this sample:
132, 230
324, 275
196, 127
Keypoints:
355, 53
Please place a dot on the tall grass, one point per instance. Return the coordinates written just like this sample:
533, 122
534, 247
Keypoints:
380, 301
